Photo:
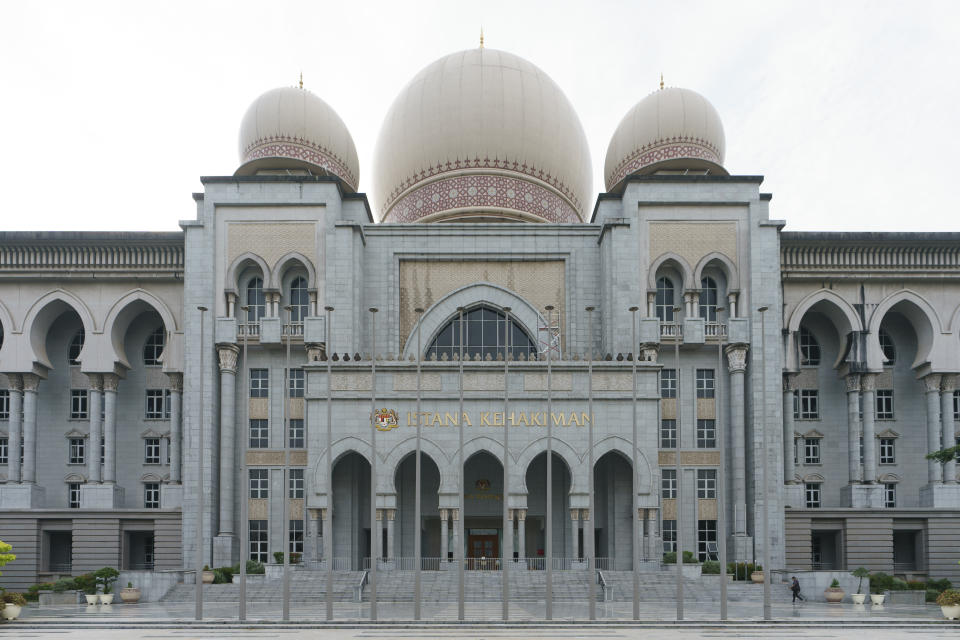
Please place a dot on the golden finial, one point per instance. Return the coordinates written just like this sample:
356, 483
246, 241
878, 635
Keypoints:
481, 36
661, 80
301, 80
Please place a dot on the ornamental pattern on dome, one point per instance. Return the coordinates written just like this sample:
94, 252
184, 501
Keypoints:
398, 195
300, 149
478, 192
661, 150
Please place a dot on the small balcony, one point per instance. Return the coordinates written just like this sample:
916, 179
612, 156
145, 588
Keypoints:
671, 330
248, 330
293, 330
715, 330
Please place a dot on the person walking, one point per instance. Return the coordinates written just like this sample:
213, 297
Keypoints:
795, 587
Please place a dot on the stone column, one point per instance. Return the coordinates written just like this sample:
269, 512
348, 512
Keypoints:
110, 383
94, 410
444, 535
176, 426
30, 383
588, 533
853, 428
311, 546
574, 533
377, 535
789, 394
224, 543
522, 532
948, 383
654, 548
508, 537
868, 382
736, 365
642, 537
457, 545
15, 382
932, 390
327, 514
391, 515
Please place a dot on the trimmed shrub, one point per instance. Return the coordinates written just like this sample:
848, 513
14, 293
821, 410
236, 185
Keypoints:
64, 584
880, 582
711, 567
916, 585
669, 557
223, 575
12, 597
949, 598
932, 595
899, 585
940, 585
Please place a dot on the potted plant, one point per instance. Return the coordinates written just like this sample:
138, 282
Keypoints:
130, 594
105, 578
834, 593
859, 597
88, 584
13, 602
208, 575
757, 575
278, 557
949, 602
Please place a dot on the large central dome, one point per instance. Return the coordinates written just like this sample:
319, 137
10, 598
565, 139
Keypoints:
481, 134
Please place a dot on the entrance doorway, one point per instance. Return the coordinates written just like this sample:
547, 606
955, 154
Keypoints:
483, 549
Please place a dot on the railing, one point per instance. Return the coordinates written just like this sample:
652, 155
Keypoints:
61, 567
823, 566
671, 330
339, 564
907, 567
248, 329
606, 590
141, 566
358, 589
715, 330
293, 330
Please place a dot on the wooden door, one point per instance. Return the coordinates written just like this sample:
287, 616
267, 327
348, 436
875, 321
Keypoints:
483, 552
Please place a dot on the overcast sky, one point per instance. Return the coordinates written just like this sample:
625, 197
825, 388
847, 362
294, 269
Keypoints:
111, 112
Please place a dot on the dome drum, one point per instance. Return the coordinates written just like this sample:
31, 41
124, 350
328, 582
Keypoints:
281, 152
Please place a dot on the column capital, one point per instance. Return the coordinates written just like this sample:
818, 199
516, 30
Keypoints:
521, 514
575, 514
584, 514
649, 351
315, 351
110, 381
96, 381
31, 381
176, 381
15, 381
931, 383
455, 514
379, 515
853, 382
868, 382
391, 514
948, 382
228, 354
736, 358
444, 515
790, 380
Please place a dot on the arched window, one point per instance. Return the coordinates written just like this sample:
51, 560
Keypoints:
76, 346
888, 348
664, 301
708, 299
299, 299
484, 332
809, 347
255, 300
154, 346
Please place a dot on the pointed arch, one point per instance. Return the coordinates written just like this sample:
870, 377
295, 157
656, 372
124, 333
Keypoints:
341, 448
574, 462
472, 295
240, 263
919, 313
44, 312
625, 448
125, 310
400, 451
485, 444
832, 305
676, 261
727, 266
285, 263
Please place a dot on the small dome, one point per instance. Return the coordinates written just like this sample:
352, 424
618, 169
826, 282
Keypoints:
481, 134
670, 129
291, 128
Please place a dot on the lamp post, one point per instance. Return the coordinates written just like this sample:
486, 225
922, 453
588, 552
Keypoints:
416, 501
721, 477
286, 470
376, 534
328, 525
549, 527
200, 483
635, 485
244, 475
677, 498
764, 490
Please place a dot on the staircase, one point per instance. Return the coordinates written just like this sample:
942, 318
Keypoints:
305, 586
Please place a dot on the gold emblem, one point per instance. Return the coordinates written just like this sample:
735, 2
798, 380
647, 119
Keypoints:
483, 485
386, 419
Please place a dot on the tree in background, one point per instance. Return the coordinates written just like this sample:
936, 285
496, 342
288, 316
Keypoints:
5, 555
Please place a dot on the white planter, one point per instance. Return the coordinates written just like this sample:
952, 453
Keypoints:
106, 598
877, 598
10, 611
92, 598
951, 612
858, 598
